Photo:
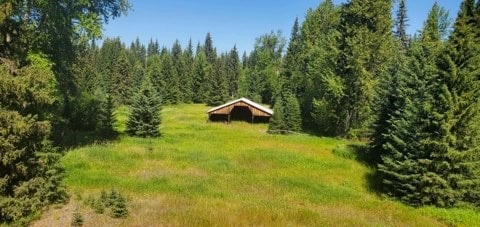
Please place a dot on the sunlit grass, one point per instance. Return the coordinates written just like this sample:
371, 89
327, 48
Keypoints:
202, 173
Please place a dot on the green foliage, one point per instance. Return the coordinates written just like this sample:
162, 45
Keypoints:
117, 204
210, 51
262, 75
144, 119
121, 80
30, 177
232, 71
216, 84
84, 112
277, 121
286, 114
427, 135
153, 48
201, 72
77, 219
366, 45
318, 86
112, 201
184, 66
292, 63
171, 93
401, 25
457, 109
106, 119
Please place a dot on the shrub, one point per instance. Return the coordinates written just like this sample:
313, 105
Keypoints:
77, 219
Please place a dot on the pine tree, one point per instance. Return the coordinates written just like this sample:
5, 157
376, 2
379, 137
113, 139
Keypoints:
233, 70
319, 88
292, 114
153, 48
170, 77
216, 84
262, 73
154, 72
401, 25
365, 56
415, 166
121, 80
209, 49
30, 177
457, 111
277, 124
107, 59
201, 72
138, 52
106, 118
292, 63
188, 77
286, 112
144, 119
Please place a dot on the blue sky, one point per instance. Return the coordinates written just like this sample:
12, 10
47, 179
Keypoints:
230, 22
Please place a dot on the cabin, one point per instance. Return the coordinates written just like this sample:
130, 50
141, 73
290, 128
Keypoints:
240, 110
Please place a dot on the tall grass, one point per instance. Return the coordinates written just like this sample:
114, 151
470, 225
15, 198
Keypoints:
202, 173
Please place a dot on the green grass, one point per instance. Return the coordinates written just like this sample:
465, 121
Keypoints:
201, 173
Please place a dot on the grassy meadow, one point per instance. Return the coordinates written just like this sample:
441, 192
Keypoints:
202, 173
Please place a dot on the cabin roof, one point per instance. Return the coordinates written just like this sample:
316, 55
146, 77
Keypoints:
247, 101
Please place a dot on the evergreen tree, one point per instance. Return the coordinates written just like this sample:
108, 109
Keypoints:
201, 72
188, 77
320, 89
277, 123
292, 63
30, 177
244, 60
121, 80
401, 25
138, 52
153, 48
85, 69
457, 119
154, 72
144, 119
233, 70
137, 74
170, 78
291, 113
106, 118
263, 70
424, 160
286, 113
108, 57
216, 84
209, 49
181, 66
365, 55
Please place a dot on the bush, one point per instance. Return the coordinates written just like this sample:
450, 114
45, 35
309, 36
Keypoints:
114, 201
77, 219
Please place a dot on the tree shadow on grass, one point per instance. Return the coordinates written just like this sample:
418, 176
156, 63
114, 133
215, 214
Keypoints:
360, 152
71, 139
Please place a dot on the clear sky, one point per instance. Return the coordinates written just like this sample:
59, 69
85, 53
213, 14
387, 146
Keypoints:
230, 22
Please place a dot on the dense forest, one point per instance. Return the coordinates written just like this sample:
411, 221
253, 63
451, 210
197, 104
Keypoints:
348, 71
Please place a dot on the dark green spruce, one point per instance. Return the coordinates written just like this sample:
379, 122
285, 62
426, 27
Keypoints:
144, 119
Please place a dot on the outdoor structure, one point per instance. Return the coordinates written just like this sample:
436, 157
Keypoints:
242, 110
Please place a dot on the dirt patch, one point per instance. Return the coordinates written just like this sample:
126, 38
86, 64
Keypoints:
57, 216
